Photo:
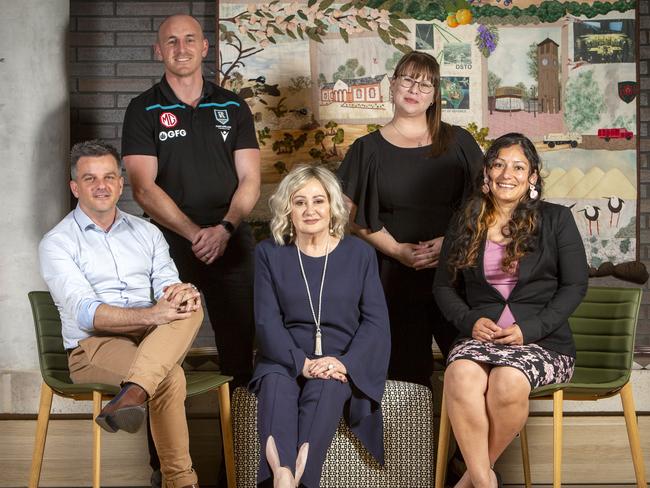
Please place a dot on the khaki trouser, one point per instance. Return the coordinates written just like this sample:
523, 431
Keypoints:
153, 362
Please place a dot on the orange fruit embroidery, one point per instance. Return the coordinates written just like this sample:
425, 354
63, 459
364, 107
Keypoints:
451, 20
463, 16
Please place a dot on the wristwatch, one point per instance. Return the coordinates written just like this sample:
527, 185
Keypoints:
228, 226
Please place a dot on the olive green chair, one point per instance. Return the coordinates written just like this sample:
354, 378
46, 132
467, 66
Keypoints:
56, 380
603, 326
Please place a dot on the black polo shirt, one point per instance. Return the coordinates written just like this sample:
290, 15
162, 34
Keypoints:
194, 146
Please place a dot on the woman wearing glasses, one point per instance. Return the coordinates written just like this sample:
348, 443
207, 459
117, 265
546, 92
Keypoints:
403, 183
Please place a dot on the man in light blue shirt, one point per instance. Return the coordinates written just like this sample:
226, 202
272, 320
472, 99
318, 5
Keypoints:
127, 320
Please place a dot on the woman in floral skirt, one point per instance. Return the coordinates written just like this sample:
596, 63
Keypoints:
512, 270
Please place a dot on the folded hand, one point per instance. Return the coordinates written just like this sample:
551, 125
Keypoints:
326, 367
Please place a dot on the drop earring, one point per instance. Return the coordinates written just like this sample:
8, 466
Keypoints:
532, 192
485, 188
290, 230
331, 228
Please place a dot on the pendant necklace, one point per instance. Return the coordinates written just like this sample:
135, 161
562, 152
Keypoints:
318, 349
419, 139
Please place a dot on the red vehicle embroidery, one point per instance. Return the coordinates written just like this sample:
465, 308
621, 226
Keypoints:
620, 133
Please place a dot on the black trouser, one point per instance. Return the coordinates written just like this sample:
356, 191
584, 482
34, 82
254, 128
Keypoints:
414, 319
227, 286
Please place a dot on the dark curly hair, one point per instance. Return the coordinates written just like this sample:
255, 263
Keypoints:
472, 222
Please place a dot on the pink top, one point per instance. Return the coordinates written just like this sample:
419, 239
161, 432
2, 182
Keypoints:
499, 279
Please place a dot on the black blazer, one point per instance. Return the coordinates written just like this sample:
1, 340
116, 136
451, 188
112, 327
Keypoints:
552, 282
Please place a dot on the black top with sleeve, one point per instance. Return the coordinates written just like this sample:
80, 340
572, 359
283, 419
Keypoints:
194, 145
552, 282
405, 190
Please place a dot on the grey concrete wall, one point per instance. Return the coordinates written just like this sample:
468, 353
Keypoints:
34, 135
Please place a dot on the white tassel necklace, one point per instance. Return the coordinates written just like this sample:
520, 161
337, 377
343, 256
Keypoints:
318, 349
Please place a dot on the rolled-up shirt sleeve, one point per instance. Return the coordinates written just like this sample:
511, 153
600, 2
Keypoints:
86, 316
70, 289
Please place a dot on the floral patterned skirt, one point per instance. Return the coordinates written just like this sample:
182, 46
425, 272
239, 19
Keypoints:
541, 366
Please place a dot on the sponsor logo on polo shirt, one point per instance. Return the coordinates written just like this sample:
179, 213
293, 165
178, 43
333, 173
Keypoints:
171, 134
168, 119
221, 116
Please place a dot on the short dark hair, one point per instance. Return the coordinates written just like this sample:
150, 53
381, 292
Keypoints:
93, 148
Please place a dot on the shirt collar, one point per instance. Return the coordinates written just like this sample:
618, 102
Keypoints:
169, 94
85, 222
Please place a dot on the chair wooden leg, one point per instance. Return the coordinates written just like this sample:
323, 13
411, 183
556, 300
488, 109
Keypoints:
226, 433
97, 446
629, 410
525, 457
443, 446
44, 407
558, 397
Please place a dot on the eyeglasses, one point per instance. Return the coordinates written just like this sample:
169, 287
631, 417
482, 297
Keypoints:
424, 86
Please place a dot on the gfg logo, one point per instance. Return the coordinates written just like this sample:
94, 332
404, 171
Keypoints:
170, 134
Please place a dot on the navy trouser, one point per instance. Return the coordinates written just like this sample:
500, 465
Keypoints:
295, 411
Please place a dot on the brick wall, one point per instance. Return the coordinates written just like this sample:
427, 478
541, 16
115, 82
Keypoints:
111, 61
643, 335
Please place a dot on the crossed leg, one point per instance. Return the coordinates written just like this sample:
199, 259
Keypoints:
152, 363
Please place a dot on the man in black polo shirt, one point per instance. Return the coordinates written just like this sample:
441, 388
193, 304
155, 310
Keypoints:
193, 161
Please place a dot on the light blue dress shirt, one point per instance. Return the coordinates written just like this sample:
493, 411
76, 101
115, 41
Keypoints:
84, 267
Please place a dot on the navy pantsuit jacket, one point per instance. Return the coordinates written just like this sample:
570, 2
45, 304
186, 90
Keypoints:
354, 323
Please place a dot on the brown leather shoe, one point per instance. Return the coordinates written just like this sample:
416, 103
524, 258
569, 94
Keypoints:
124, 412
